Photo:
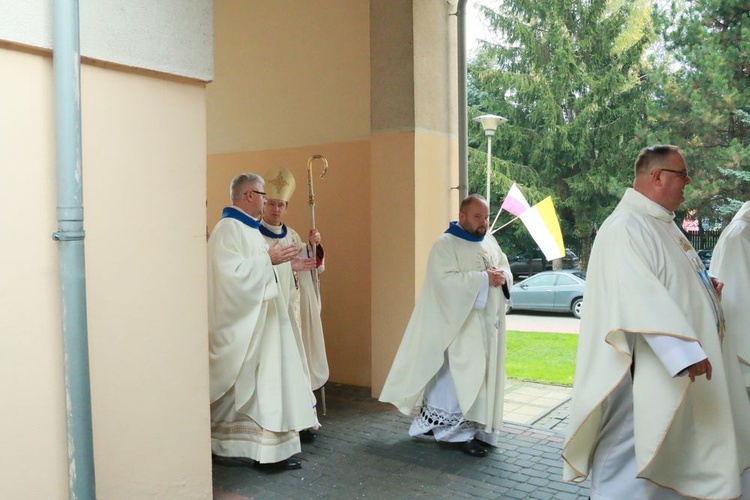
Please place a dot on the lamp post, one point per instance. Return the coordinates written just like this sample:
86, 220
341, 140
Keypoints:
489, 124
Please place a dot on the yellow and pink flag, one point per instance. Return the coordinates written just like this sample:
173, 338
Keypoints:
541, 221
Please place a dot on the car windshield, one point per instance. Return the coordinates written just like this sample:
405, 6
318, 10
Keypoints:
579, 274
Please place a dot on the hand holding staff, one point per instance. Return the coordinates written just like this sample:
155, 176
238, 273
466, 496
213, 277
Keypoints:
311, 194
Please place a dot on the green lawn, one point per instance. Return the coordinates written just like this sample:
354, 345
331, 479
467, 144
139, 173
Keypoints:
548, 358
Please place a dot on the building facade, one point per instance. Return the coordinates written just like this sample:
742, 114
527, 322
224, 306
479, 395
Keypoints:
177, 97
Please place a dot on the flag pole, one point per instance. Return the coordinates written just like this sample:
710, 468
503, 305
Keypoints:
507, 223
494, 221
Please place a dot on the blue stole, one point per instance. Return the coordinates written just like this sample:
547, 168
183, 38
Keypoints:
233, 213
267, 232
459, 232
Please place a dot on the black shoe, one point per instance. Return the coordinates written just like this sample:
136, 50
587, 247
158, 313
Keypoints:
306, 436
474, 448
233, 461
288, 464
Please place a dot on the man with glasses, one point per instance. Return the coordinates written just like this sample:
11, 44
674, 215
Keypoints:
259, 395
451, 362
298, 285
730, 263
659, 409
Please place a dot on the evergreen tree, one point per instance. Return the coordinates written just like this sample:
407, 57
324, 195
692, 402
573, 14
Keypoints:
704, 100
569, 76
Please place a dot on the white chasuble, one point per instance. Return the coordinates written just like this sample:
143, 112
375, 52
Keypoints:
311, 325
283, 236
644, 278
304, 303
730, 263
445, 324
252, 349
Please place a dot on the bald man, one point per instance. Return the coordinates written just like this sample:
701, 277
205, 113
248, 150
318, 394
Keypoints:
451, 362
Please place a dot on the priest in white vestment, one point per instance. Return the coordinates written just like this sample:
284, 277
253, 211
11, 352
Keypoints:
730, 263
306, 268
296, 280
259, 393
451, 362
659, 409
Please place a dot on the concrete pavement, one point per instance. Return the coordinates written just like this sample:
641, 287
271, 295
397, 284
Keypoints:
363, 451
542, 322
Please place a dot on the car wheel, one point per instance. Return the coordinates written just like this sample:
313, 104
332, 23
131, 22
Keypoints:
576, 308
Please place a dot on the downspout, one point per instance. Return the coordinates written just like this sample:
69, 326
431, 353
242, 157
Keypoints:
463, 131
67, 76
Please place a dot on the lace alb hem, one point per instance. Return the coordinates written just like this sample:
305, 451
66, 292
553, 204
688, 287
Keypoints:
431, 417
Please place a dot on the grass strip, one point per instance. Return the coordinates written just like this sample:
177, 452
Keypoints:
547, 358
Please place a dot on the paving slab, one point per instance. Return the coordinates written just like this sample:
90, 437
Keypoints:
363, 451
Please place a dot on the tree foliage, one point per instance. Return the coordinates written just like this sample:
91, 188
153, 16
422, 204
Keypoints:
570, 77
702, 102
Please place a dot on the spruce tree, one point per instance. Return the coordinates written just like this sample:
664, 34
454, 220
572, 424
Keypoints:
570, 77
703, 102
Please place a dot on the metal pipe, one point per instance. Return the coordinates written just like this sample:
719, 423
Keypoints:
489, 168
70, 235
463, 130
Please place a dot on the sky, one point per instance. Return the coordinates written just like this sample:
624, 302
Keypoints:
475, 28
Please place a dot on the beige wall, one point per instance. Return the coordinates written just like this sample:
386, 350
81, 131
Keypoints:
144, 184
289, 73
144, 169
31, 371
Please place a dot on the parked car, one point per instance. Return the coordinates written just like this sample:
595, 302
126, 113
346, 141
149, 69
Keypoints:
529, 264
705, 256
560, 291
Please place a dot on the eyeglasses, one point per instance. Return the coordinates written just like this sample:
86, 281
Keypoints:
681, 173
256, 192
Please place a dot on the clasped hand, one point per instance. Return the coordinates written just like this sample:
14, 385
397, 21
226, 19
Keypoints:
495, 277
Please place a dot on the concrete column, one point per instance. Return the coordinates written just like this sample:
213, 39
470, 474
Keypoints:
413, 158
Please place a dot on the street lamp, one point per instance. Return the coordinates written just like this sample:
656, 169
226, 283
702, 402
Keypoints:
489, 124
